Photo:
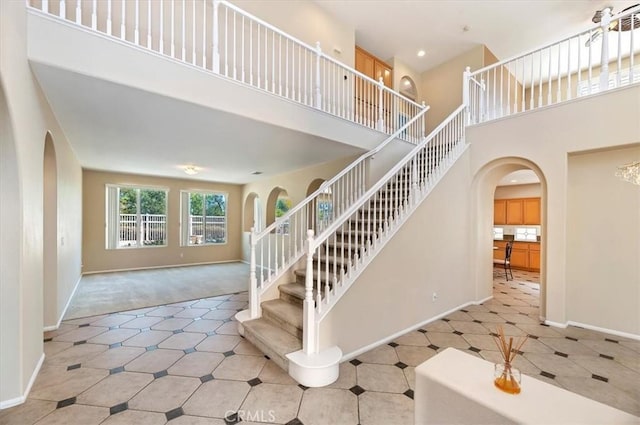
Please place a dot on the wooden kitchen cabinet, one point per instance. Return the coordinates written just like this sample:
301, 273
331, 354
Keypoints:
368, 97
531, 211
534, 257
520, 255
498, 254
515, 212
524, 255
500, 211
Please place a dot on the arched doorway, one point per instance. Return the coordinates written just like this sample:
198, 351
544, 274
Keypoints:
252, 213
50, 233
484, 187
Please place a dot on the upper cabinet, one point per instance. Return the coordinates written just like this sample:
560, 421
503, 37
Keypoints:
519, 211
373, 67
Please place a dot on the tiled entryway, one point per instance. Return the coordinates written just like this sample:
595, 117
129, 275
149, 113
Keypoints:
185, 364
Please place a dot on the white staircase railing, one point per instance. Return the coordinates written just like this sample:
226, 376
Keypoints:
278, 247
217, 36
603, 57
341, 251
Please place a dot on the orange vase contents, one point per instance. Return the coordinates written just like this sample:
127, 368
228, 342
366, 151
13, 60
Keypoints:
507, 378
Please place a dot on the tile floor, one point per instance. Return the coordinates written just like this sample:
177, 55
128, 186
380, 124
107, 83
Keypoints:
185, 364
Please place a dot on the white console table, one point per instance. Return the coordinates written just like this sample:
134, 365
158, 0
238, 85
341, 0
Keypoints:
454, 387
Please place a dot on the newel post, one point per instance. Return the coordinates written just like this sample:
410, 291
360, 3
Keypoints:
604, 60
317, 92
214, 37
309, 328
253, 281
380, 124
466, 81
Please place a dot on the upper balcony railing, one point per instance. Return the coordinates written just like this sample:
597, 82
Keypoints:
603, 57
217, 36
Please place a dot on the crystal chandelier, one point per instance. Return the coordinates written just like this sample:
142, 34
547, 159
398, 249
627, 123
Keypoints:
630, 172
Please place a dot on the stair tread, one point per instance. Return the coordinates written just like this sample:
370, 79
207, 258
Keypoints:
286, 311
280, 341
294, 289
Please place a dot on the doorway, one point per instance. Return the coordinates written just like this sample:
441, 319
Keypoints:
50, 234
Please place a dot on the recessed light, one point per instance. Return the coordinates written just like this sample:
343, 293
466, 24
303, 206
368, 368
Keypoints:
191, 170
421, 53
513, 181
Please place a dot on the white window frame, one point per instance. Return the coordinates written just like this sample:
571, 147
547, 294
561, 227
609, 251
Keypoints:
113, 222
188, 240
526, 234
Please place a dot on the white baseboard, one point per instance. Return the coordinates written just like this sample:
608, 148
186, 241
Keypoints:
555, 324
19, 400
166, 266
605, 330
64, 310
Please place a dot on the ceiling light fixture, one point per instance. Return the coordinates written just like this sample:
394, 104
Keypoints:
630, 172
191, 170
421, 53
514, 181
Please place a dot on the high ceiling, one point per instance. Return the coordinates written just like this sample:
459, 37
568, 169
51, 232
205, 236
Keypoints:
400, 28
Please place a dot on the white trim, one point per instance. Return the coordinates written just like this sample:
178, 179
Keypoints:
390, 338
605, 330
19, 400
64, 310
556, 324
163, 266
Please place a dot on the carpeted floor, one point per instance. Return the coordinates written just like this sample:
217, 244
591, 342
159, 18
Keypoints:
118, 291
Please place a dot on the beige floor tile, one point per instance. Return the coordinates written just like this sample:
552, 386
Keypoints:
468, 327
164, 311
196, 364
196, 420
165, 394
520, 362
81, 334
385, 409
192, 313
216, 398
232, 305
384, 354
438, 326
240, 297
540, 330
114, 357
76, 354
207, 303
557, 365
154, 361
240, 368
220, 314
273, 374
460, 316
609, 348
115, 389
486, 317
147, 338
477, 307
171, 324
346, 378
52, 348
442, 339
219, 343
203, 326
63, 328
85, 320
114, 320
321, 406
632, 362
182, 341
183, 303
602, 392
499, 308
567, 346
141, 322
136, 417
113, 336
410, 375
381, 378
27, 413
229, 328
55, 383
139, 311
412, 338
76, 415
267, 401
519, 318
509, 330
247, 348
413, 355
634, 345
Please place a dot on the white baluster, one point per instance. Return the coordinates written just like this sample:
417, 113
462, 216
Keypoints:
559, 82
204, 33
193, 32
123, 32
161, 41
149, 40
633, 17
380, 123
214, 37
254, 302
184, 31
540, 82
318, 95
109, 21
79, 12
45, 6
568, 69
604, 59
173, 28
63, 9
136, 32
94, 16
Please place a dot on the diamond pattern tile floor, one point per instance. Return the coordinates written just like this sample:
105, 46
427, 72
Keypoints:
184, 363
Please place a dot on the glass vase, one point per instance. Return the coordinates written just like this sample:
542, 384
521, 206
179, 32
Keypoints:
507, 378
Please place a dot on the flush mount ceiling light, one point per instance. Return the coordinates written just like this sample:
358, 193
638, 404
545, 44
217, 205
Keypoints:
630, 172
191, 170
421, 53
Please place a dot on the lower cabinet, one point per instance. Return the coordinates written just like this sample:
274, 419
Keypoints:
524, 255
520, 255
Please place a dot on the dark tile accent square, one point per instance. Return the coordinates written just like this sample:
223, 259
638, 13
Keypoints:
392, 344
433, 347
152, 347
175, 413
507, 305
464, 311
510, 323
600, 378
548, 375
74, 366
493, 312
48, 339
115, 345
118, 408
604, 356
561, 354
571, 338
544, 324
112, 328
84, 325
212, 333
206, 378
458, 333
196, 318
139, 315
302, 387
520, 352
228, 353
255, 381
178, 331
144, 329
356, 389
66, 402
357, 362
168, 317
533, 336
267, 357
116, 370
474, 349
79, 342
477, 321
295, 421
424, 331
189, 350
160, 374
611, 340
409, 393
446, 320
401, 365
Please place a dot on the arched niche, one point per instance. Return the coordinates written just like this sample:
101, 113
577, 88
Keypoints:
252, 213
408, 88
272, 200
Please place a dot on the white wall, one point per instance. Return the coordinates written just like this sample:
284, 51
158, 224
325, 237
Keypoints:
532, 190
26, 120
603, 242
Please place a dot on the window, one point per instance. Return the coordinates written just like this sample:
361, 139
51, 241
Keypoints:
204, 218
136, 217
498, 233
526, 234
283, 204
592, 86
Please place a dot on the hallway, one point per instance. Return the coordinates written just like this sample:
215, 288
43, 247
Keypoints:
185, 363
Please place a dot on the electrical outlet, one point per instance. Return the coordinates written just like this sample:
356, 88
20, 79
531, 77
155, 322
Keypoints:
434, 297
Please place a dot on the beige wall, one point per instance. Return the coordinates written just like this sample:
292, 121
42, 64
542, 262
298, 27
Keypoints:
401, 69
96, 258
533, 190
26, 118
442, 86
603, 243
